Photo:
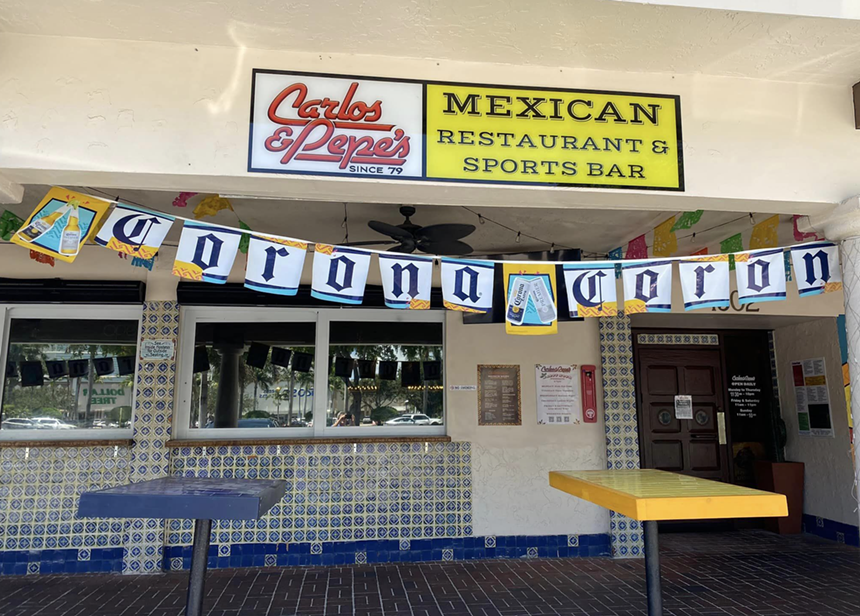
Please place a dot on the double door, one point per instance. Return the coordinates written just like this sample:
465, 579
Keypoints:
695, 446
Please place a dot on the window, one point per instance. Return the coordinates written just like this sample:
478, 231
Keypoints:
69, 371
255, 372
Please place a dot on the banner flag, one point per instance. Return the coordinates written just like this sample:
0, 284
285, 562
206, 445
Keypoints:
340, 273
591, 289
816, 267
134, 231
637, 248
705, 281
530, 305
406, 281
687, 220
274, 265
647, 286
760, 275
467, 285
206, 253
764, 234
62, 222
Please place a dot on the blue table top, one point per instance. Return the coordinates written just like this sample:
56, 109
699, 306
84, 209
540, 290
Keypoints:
185, 498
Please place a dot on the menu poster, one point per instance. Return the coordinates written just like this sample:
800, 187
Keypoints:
811, 397
499, 396
558, 401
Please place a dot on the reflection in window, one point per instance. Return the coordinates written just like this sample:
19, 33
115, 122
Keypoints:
253, 375
66, 374
385, 374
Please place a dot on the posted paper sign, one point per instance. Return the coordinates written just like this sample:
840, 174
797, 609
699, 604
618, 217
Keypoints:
683, 407
558, 396
812, 400
151, 350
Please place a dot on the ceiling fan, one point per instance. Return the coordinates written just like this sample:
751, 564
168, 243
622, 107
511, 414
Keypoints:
441, 239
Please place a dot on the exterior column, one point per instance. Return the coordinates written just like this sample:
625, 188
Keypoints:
621, 424
842, 225
153, 416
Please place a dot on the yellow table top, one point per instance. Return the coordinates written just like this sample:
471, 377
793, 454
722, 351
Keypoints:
648, 494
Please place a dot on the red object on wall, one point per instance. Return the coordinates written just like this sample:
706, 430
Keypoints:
588, 375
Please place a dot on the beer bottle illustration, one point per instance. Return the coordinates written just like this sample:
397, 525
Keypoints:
71, 238
39, 227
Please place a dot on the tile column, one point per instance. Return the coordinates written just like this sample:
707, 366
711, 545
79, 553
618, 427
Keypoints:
153, 414
842, 225
621, 424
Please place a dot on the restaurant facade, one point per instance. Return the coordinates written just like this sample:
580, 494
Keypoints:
418, 429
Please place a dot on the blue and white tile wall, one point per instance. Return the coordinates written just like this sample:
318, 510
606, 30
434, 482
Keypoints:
39, 493
153, 416
621, 423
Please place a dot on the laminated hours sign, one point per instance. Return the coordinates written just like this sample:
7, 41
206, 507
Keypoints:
399, 129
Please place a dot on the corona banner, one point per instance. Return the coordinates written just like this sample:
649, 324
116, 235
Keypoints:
647, 286
530, 305
275, 265
817, 268
406, 281
591, 289
134, 231
761, 275
705, 281
467, 285
61, 224
339, 274
206, 252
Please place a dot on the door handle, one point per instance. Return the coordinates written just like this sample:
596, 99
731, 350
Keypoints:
721, 427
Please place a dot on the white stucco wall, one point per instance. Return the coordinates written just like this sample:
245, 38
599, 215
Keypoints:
829, 470
511, 493
158, 115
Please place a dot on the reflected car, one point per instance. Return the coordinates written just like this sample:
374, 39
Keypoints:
17, 423
50, 423
400, 421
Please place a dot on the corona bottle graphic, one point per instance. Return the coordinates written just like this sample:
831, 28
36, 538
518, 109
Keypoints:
71, 238
39, 227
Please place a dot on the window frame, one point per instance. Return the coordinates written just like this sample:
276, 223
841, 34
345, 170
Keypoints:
190, 316
69, 311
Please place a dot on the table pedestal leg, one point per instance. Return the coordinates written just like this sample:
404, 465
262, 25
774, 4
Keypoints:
652, 570
199, 561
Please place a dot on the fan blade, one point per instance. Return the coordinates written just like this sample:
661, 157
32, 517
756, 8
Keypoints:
452, 247
376, 243
444, 232
405, 247
390, 230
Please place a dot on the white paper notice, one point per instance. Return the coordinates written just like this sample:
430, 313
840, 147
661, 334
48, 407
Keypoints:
558, 399
811, 398
683, 407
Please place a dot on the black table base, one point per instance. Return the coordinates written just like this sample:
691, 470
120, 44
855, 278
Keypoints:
199, 562
652, 569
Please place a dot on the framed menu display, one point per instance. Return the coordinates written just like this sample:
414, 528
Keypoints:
499, 402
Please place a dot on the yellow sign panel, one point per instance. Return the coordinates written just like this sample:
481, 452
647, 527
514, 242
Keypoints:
531, 306
559, 137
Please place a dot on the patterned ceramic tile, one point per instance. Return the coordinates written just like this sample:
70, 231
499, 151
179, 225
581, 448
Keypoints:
686, 338
153, 416
621, 422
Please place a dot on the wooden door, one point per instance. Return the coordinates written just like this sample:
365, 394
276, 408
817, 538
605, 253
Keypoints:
689, 446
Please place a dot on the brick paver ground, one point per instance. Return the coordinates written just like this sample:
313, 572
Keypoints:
747, 573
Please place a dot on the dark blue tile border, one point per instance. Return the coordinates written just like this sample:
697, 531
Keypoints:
830, 529
103, 560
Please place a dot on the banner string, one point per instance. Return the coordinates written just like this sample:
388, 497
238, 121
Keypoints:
112, 199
